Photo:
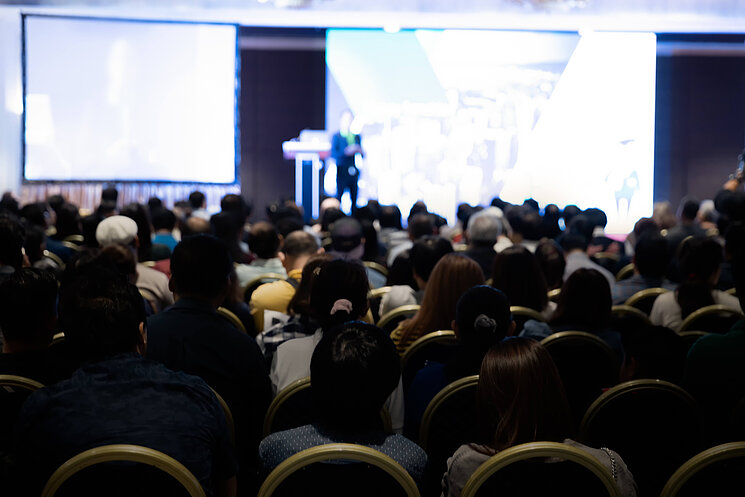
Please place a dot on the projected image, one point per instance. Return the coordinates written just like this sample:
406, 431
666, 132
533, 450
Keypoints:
119, 100
463, 116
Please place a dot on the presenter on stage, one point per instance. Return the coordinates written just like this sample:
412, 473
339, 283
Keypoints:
345, 145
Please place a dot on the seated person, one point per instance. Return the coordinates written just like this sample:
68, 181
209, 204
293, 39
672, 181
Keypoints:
484, 228
650, 263
655, 352
353, 370
518, 275
12, 236
348, 242
425, 253
482, 318
264, 243
575, 242
164, 222
119, 397
521, 400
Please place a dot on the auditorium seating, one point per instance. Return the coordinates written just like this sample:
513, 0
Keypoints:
712, 319
644, 299
714, 472
255, 283
231, 318
436, 346
392, 319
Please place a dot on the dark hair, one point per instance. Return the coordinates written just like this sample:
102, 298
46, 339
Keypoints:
263, 240
100, 313
516, 272
196, 199
299, 243
426, 252
236, 205
419, 207
201, 266
524, 220
390, 217
56, 201
300, 301
401, 272
330, 215
339, 279
372, 248
550, 221
735, 248
585, 301
138, 213
572, 241
9, 204
225, 227
163, 219
551, 260
154, 203
120, 258
287, 225
34, 212
596, 217
689, 208
354, 369
109, 194
35, 238
28, 300
651, 256
421, 225
658, 353
521, 397
12, 236
569, 213
68, 221
699, 262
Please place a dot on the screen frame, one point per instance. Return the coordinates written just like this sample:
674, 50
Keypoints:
236, 101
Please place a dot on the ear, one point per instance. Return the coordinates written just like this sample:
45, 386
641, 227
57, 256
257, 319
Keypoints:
511, 330
321, 250
281, 256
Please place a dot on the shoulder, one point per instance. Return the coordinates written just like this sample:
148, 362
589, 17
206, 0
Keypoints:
614, 464
724, 298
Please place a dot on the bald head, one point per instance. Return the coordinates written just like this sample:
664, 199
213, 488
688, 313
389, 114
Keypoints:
297, 248
195, 226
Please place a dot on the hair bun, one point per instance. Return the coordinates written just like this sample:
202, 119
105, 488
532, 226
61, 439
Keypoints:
484, 324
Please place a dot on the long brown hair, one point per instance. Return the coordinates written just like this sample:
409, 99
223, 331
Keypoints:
451, 277
520, 396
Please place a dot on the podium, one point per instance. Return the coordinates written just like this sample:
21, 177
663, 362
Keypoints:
308, 151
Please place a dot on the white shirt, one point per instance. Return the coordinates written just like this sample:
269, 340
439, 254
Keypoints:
292, 362
247, 272
580, 260
666, 310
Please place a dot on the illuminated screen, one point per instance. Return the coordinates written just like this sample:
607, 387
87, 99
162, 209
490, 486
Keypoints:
450, 116
129, 100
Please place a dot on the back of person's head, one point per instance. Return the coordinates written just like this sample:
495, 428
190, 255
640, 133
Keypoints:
116, 230
574, 241
570, 212
699, 260
33, 244
163, 219
101, 313
516, 272
663, 215
106, 208
225, 227
263, 240
463, 213
484, 228
651, 255
138, 213
552, 263
154, 203
643, 226
329, 217
585, 301
200, 267
364, 213
499, 203
109, 194
370, 234
550, 221
596, 217
56, 201
354, 369
287, 225
482, 317
299, 243
339, 293
236, 205
120, 258
390, 217
9, 204
28, 306
450, 278
532, 204
195, 225
735, 248
300, 302
35, 213
68, 220
419, 207
688, 208
426, 252
521, 397
12, 236
421, 225
346, 236
197, 200
655, 352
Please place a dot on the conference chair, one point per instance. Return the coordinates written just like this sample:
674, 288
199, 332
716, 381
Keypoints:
229, 420
55, 259
14, 390
255, 283
522, 471
390, 320
231, 318
644, 299
732, 291
436, 346
655, 425
522, 314
586, 364
448, 422
607, 260
365, 472
553, 295
150, 299
625, 318
625, 272
712, 319
375, 297
376, 267
690, 337
714, 472
76, 239
110, 478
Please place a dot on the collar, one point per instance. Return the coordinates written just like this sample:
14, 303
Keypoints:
295, 273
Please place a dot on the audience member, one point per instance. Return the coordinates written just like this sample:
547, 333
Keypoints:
264, 243
67, 221
575, 250
138, 213
420, 225
482, 233
347, 242
655, 353
687, 212
518, 275
198, 204
525, 224
227, 227
551, 260
164, 222
521, 400
12, 236
41, 215
450, 278
650, 264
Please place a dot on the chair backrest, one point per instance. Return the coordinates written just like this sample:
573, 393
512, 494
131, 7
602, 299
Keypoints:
513, 473
715, 471
607, 260
375, 296
625, 317
293, 407
644, 299
586, 364
391, 319
690, 337
654, 424
377, 475
76, 239
14, 390
522, 314
151, 299
231, 318
712, 319
54, 258
553, 295
229, 420
436, 346
255, 283
625, 272
124, 453
376, 267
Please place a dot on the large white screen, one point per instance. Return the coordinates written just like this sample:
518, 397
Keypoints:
126, 100
462, 116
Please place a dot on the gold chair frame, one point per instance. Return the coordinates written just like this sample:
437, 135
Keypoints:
625, 272
687, 324
553, 295
376, 267
699, 462
229, 420
569, 335
378, 292
232, 318
265, 278
527, 312
624, 309
54, 258
15, 381
444, 336
643, 294
404, 310
539, 450
438, 400
124, 452
330, 452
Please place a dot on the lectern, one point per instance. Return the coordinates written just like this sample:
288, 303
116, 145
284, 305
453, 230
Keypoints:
308, 150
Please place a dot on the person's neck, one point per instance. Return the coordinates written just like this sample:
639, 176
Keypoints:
164, 232
212, 302
576, 251
293, 263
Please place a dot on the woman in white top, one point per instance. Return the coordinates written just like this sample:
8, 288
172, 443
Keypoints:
699, 266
